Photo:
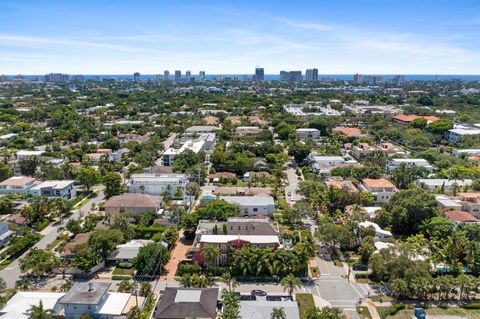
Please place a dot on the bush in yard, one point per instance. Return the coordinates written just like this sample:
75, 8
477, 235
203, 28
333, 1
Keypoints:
125, 265
472, 306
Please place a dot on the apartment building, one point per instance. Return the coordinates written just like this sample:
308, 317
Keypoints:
382, 189
307, 133
157, 184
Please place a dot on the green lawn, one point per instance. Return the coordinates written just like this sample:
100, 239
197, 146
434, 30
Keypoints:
383, 297
364, 313
304, 301
408, 313
122, 272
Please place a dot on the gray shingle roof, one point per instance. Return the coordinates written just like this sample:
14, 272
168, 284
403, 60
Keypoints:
187, 302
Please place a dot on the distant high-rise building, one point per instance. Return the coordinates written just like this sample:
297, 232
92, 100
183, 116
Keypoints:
166, 75
158, 78
178, 75
3, 78
311, 75
357, 78
295, 76
201, 75
78, 78
283, 76
259, 74
398, 79
188, 75
57, 77
136, 77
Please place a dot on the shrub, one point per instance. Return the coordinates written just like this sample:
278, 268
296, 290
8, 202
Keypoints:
362, 275
125, 265
118, 277
443, 306
471, 306
393, 309
188, 269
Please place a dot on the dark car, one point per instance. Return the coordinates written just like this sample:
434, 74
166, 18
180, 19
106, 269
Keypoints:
259, 293
360, 267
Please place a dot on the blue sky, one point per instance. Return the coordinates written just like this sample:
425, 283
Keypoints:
337, 37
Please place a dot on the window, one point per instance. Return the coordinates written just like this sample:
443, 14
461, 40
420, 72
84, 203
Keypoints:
239, 227
255, 209
253, 227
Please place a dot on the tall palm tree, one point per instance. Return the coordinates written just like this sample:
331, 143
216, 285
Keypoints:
37, 312
290, 283
229, 280
211, 254
278, 313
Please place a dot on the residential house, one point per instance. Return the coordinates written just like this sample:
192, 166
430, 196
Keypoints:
226, 242
324, 164
380, 234
307, 133
252, 205
445, 203
339, 183
407, 119
460, 217
440, 184
361, 150
470, 203
128, 251
158, 184
17, 185
19, 305
134, 203
94, 299
390, 149
197, 130
382, 189
348, 131
5, 234
79, 239
418, 162
242, 191
53, 188
133, 137
243, 131
187, 303
262, 307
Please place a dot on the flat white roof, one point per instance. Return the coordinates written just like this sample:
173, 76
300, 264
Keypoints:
444, 181
114, 304
23, 300
53, 184
29, 153
256, 200
254, 239
188, 296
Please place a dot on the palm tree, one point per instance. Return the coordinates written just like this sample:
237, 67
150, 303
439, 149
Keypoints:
37, 312
145, 289
278, 313
290, 283
211, 254
229, 280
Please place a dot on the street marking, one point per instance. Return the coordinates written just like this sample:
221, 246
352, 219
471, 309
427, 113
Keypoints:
356, 290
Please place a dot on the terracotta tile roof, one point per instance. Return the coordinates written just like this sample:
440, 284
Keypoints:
410, 118
134, 200
461, 217
18, 181
348, 131
210, 120
378, 183
79, 239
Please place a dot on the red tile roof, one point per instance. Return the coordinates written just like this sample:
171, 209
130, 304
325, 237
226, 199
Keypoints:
461, 217
348, 131
18, 181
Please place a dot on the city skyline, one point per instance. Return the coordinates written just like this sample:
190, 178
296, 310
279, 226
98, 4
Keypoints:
437, 37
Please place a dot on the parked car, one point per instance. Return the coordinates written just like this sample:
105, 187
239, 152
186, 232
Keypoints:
258, 293
360, 267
